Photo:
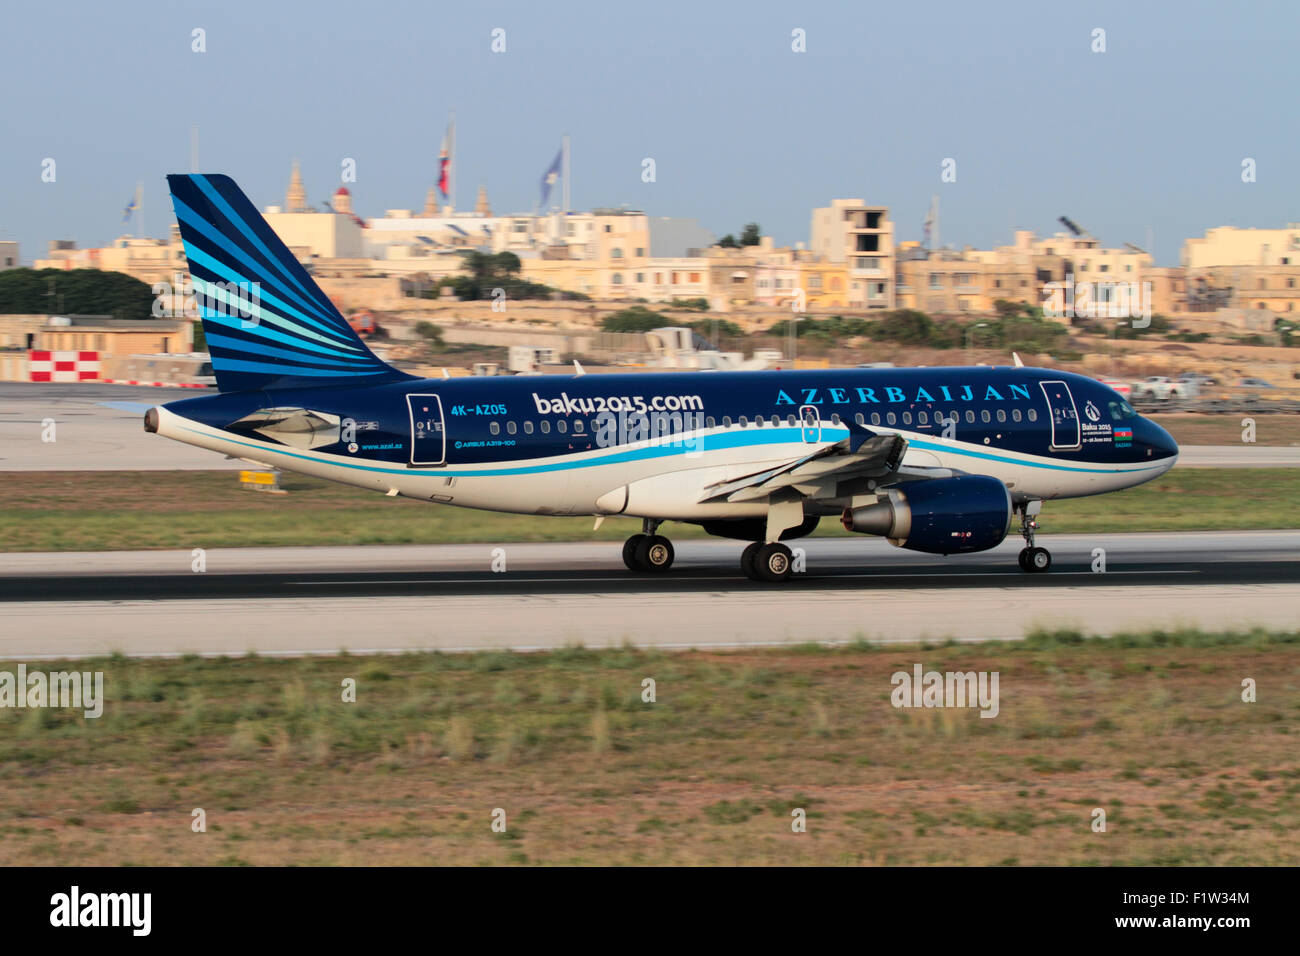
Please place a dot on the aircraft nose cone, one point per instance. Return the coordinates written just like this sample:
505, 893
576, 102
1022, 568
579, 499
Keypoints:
1160, 442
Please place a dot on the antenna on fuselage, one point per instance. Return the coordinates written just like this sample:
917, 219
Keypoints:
577, 368
1016, 359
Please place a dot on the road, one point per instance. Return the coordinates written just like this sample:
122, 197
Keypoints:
300, 600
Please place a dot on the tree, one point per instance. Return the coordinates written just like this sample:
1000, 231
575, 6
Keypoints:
905, 326
751, 234
75, 292
431, 332
636, 318
505, 263
728, 242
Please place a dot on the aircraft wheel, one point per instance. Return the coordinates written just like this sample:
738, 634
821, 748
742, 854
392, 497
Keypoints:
747, 561
629, 551
1020, 559
775, 562
1038, 560
654, 553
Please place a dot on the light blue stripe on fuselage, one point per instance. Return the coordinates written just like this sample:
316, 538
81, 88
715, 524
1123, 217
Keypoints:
715, 442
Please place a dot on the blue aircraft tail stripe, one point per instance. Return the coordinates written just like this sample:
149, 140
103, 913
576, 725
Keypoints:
234, 219
271, 351
221, 274
185, 214
268, 323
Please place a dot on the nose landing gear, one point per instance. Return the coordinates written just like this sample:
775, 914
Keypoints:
1033, 560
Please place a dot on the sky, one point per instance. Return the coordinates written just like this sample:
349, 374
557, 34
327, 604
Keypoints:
1141, 143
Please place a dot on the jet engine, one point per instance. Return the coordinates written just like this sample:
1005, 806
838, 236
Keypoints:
938, 515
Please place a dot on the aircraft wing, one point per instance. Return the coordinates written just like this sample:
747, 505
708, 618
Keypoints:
861, 455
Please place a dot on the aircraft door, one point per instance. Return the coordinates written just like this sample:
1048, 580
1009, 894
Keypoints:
810, 420
428, 436
1064, 415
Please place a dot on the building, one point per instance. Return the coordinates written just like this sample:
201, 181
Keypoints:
1235, 268
9, 257
150, 260
861, 237
98, 333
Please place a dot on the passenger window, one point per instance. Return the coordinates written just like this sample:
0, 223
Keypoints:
546, 427
970, 417
891, 418
835, 419
1015, 414
528, 428
579, 425
789, 419
907, 418
922, 418
776, 420
494, 428
511, 428
985, 416
859, 419
1002, 415
561, 426
1033, 415
758, 421
744, 422
875, 418
708, 422
726, 421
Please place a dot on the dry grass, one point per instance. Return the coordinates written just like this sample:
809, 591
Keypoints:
1151, 729
104, 511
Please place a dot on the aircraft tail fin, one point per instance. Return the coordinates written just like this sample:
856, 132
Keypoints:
266, 321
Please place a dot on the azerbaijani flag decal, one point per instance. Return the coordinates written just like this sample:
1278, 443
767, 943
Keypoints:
1123, 436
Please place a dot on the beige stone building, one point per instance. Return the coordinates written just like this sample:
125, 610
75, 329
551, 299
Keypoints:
9, 257
149, 260
861, 237
1256, 269
96, 333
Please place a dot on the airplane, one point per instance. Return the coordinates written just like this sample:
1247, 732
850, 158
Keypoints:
940, 460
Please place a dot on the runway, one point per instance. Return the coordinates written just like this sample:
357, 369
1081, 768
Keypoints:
96, 428
322, 600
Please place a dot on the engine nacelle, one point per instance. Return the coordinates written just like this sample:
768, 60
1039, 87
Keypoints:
938, 515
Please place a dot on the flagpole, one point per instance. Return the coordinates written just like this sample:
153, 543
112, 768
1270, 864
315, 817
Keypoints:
453, 161
564, 172
139, 210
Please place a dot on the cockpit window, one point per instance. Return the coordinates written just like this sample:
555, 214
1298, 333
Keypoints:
1121, 411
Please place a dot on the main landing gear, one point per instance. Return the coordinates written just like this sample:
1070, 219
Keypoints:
1033, 559
648, 552
773, 563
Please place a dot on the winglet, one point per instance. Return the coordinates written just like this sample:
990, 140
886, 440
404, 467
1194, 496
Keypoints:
1019, 364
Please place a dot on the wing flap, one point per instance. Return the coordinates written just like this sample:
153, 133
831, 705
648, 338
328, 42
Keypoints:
854, 457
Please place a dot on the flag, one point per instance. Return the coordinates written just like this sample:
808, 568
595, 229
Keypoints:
444, 158
550, 177
131, 206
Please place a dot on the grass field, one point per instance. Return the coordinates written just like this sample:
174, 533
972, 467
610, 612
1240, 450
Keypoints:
1226, 429
96, 511
1151, 729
